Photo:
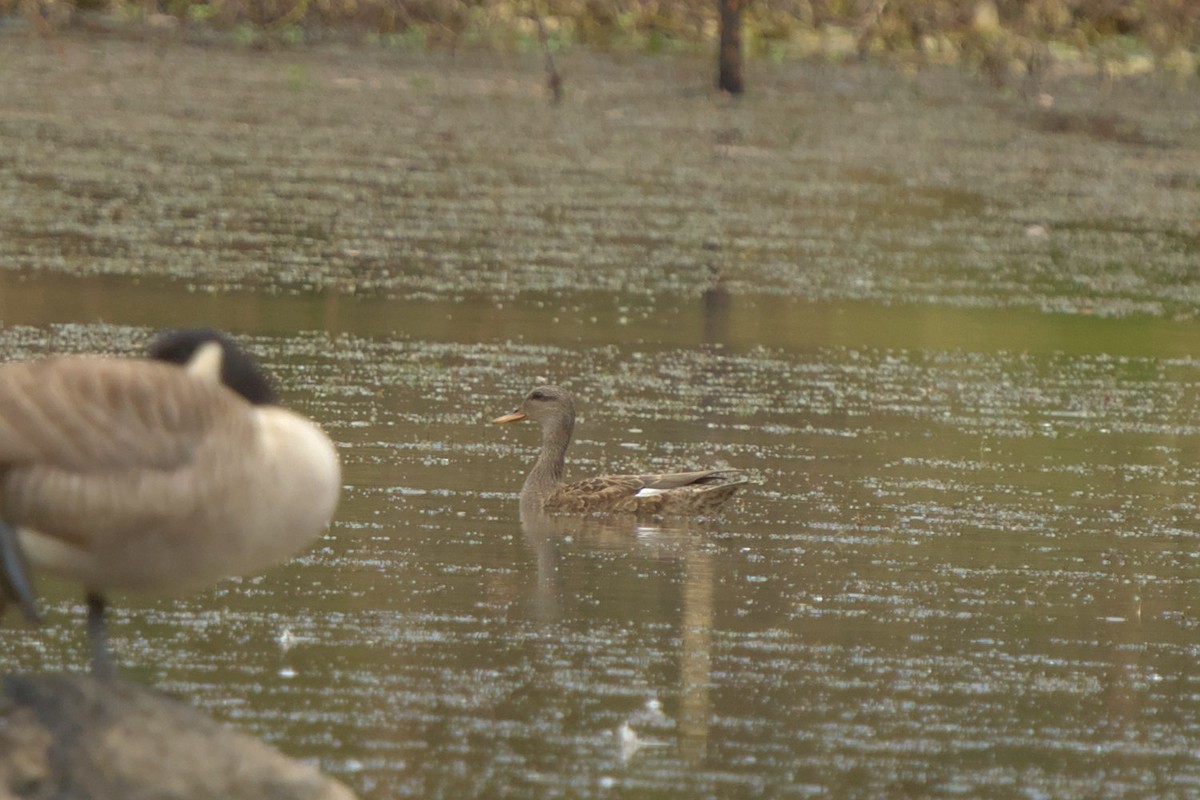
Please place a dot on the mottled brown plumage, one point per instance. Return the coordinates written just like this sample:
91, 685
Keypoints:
700, 492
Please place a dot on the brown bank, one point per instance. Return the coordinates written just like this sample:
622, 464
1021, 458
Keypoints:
79, 737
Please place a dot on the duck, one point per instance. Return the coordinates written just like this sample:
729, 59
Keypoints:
701, 492
161, 474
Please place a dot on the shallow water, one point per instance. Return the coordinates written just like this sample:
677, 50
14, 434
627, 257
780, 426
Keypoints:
959, 571
967, 565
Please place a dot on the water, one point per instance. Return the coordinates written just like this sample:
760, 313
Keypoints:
958, 571
967, 562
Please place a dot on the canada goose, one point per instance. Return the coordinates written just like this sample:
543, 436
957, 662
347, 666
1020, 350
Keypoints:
159, 474
553, 408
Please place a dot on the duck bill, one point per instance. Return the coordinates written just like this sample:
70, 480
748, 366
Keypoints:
515, 416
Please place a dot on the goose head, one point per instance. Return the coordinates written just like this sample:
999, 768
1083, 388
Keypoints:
211, 354
552, 407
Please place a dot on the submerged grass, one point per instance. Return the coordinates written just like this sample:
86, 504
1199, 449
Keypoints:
381, 174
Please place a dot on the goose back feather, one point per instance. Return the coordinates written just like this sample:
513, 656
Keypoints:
133, 474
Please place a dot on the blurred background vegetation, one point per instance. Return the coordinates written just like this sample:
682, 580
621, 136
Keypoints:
1002, 39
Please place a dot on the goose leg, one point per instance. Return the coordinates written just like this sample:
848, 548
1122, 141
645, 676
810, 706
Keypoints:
14, 575
102, 666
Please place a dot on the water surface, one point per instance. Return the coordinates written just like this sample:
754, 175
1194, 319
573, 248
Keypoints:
953, 346
959, 571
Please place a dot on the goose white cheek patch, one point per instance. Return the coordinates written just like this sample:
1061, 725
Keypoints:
206, 362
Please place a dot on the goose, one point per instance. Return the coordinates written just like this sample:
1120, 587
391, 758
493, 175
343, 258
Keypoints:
553, 407
158, 474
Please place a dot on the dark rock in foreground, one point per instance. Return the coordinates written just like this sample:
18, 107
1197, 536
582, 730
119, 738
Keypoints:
83, 738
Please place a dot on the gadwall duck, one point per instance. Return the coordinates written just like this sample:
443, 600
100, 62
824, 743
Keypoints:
163, 474
702, 492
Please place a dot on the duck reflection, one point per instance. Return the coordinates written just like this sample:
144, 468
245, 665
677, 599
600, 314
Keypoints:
681, 542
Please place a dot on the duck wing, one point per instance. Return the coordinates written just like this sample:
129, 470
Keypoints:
606, 493
668, 492
665, 481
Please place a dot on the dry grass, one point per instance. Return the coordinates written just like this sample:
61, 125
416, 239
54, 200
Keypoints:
1005, 40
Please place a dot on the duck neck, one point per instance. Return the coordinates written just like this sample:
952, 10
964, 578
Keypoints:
549, 470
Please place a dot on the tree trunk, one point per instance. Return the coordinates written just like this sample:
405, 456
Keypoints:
729, 76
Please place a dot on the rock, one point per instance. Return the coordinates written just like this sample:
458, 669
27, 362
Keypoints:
75, 737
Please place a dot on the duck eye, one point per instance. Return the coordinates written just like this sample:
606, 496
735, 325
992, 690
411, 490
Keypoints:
538, 395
